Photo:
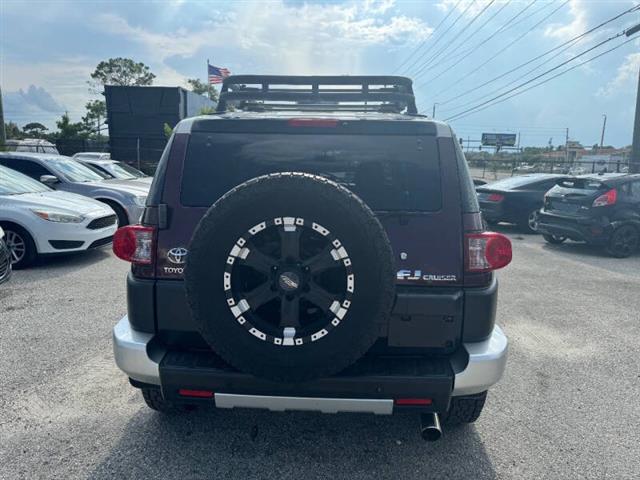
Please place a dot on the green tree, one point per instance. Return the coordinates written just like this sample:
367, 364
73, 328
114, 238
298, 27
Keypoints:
201, 88
120, 71
34, 129
13, 131
96, 117
67, 129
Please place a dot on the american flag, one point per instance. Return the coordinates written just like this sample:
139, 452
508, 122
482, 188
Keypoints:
217, 74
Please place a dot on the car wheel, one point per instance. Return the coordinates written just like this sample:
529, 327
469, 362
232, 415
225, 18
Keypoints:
464, 409
531, 223
623, 242
290, 277
21, 246
155, 401
554, 239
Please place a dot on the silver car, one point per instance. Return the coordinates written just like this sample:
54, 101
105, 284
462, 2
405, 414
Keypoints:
112, 168
127, 199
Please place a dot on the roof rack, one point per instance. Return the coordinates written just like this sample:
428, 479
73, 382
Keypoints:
379, 93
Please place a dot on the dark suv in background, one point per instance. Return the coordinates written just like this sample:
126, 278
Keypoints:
318, 247
602, 210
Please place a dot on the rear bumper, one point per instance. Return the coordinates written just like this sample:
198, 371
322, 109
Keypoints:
365, 388
589, 230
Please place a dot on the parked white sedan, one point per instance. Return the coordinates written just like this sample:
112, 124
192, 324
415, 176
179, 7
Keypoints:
38, 220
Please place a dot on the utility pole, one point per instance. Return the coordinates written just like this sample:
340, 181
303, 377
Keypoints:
566, 147
433, 115
634, 161
3, 136
604, 126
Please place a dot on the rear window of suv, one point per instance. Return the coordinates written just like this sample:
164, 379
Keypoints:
389, 172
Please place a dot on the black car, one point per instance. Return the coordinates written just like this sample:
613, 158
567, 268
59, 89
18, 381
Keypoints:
601, 210
516, 199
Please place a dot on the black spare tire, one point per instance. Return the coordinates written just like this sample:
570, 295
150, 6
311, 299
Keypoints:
290, 277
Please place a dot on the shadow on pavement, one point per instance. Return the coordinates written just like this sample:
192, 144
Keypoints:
259, 444
76, 259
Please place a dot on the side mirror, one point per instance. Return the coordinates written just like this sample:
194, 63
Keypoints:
49, 179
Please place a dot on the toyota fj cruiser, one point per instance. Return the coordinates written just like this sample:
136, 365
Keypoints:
314, 245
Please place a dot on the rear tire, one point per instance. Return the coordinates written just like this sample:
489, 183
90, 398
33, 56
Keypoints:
623, 242
155, 401
22, 248
530, 223
464, 409
554, 239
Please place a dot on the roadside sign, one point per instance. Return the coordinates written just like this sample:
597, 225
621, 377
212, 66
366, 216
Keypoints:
499, 139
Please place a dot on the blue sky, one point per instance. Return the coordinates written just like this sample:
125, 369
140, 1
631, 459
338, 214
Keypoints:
49, 48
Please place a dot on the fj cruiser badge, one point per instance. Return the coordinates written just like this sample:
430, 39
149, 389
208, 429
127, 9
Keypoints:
417, 275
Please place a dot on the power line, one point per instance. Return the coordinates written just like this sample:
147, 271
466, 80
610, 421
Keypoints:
428, 38
433, 45
450, 44
570, 41
500, 100
475, 70
459, 58
515, 80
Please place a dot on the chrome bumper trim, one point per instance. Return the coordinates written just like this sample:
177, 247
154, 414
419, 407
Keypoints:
130, 351
324, 405
487, 361
486, 365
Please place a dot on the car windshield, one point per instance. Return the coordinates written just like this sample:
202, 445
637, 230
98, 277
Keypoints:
581, 183
15, 183
117, 171
72, 170
102, 173
128, 169
513, 182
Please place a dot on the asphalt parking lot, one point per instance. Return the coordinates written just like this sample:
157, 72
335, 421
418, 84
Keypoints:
567, 407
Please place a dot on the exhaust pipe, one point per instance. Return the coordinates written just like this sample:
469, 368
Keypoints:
430, 427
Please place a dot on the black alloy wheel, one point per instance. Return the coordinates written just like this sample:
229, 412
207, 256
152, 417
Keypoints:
290, 282
623, 241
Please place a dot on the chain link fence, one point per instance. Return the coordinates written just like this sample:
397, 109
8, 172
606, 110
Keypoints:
495, 169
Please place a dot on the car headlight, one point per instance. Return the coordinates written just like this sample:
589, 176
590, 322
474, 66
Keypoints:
59, 217
140, 201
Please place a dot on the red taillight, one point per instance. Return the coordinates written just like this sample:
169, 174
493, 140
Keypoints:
413, 401
134, 243
608, 198
495, 197
185, 392
312, 122
487, 251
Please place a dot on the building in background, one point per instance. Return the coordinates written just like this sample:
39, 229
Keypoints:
136, 117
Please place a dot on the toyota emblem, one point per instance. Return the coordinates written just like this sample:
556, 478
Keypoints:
177, 255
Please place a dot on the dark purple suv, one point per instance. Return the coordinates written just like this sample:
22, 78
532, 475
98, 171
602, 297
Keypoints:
315, 245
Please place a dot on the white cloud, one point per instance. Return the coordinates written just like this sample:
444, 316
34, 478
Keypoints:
378, 6
626, 76
65, 81
576, 26
470, 7
306, 38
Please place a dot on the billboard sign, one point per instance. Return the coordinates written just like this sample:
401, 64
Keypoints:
499, 139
